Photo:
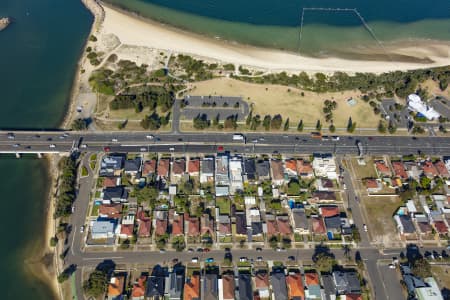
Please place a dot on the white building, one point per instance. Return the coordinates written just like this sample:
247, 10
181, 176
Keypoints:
324, 165
417, 105
102, 229
236, 175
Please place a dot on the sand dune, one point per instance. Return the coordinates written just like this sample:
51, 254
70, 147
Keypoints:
134, 30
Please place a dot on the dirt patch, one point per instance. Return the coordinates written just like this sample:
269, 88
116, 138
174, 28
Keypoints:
442, 275
379, 212
289, 102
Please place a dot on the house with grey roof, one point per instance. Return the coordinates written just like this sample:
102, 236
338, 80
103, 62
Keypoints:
155, 287
346, 282
111, 165
245, 287
279, 289
249, 169
103, 229
263, 169
207, 169
174, 285
210, 289
117, 194
241, 223
405, 225
328, 287
133, 166
299, 221
333, 224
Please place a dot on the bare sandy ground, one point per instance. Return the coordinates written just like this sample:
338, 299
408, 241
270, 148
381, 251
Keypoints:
134, 30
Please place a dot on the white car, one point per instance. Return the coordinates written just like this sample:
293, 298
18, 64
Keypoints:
243, 259
82, 229
52, 146
84, 146
365, 227
114, 140
150, 137
143, 149
194, 260
391, 266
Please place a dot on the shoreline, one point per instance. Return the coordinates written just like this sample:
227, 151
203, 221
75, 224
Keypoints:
39, 264
133, 29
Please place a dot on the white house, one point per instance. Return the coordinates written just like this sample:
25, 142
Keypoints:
324, 165
102, 229
236, 175
417, 105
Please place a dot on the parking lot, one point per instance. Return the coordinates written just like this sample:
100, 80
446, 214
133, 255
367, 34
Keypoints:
214, 106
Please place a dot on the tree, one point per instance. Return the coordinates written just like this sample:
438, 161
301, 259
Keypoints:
178, 243
332, 128
276, 121
318, 125
216, 120
351, 126
391, 128
273, 242
248, 121
425, 182
79, 124
230, 122
421, 268
286, 125
96, 284
201, 121
381, 127
324, 263
293, 187
300, 126
266, 122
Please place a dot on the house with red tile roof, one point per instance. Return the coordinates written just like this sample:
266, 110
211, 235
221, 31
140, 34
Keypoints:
116, 286
382, 169
295, 286
228, 287
284, 226
442, 169
329, 211
441, 227
149, 168
160, 227
262, 284
178, 224
179, 167
145, 226
311, 278
399, 170
192, 288
272, 227
163, 167
138, 290
353, 297
194, 167
290, 166
111, 182
318, 225
223, 225
110, 211
304, 168
373, 186
429, 169
193, 227
313, 286
276, 167
126, 231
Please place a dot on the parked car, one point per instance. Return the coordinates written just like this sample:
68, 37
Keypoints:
243, 259
258, 249
190, 250
162, 251
209, 260
194, 260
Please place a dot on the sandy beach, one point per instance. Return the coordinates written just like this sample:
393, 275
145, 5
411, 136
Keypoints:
133, 30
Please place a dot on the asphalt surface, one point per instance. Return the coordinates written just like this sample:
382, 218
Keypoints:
207, 142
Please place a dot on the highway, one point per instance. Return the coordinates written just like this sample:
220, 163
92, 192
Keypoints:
209, 142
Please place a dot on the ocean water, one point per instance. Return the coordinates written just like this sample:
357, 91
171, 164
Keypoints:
38, 57
278, 24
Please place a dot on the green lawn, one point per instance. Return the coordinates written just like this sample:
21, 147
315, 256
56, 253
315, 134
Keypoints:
93, 157
84, 171
92, 165
224, 205
97, 194
95, 209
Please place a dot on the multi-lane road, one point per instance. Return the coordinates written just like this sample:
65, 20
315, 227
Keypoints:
209, 142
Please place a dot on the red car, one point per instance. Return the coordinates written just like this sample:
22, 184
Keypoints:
107, 149
220, 148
